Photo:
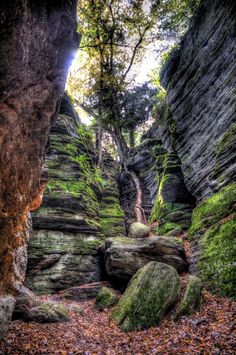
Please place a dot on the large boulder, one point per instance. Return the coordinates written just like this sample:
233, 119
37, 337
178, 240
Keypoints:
125, 256
148, 297
138, 230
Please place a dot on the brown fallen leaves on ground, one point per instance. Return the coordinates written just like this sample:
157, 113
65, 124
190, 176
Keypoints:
211, 331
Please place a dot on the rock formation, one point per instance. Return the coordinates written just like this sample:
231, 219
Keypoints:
165, 196
77, 210
125, 256
33, 70
148, 297
202, 100
200, 126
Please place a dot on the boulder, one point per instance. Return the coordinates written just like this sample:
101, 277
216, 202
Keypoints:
25, 300
30, 309
138, 230
125, 256
192, 297
106, 298
148, 297
48, 312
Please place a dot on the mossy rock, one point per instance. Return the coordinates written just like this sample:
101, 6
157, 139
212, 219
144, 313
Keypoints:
214, 226
210, 211
217, 261
192, 299
148, 297
106, 298
138, 230
47, 312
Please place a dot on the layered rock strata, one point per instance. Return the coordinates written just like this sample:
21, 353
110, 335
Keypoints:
166, 199
37, 43
63, 246
80, 208
125, 256
202, 100
200, 122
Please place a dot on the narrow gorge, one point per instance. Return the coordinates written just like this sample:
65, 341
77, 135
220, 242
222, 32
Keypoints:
117, 236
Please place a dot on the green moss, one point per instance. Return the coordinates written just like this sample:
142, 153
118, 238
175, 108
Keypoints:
106, 298
224, 145
213, 209
217, 262
192, 297
167, 227
53, 312
150, 293
214, 222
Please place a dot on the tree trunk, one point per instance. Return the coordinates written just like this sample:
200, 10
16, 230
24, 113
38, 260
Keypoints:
138, 210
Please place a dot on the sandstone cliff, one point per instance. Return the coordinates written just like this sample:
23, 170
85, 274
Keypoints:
80, 208
200, 126
33, 70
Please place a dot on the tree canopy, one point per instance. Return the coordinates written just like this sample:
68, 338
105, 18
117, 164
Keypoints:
115, 36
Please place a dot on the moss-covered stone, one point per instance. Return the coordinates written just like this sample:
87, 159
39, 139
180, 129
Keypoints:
218, 255
149, 295
173, 205
106, 298
192, 297
214, 228
48, 312
138, 230
209, 212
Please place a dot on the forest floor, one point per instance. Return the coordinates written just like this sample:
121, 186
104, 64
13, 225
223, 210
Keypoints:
210, 331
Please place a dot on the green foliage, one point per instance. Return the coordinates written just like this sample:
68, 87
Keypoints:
167, 227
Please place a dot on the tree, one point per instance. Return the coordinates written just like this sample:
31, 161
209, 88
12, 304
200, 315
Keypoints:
115, 34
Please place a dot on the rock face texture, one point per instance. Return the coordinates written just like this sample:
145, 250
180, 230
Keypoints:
202, 100
148, 297
125, 256
165, 196
37, 42
201, 129
80, 206
62, 249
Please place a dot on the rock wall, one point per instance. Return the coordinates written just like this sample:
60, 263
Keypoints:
37, 42
201, 79
166, 199
202, 100
80, 208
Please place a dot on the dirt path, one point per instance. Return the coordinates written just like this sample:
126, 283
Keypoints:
91, 332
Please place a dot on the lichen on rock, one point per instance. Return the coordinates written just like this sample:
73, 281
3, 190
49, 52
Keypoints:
148, 297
